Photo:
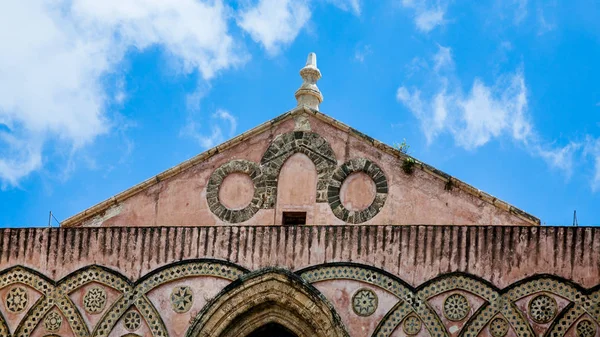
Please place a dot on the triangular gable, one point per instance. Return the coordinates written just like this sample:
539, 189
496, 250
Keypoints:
497, 212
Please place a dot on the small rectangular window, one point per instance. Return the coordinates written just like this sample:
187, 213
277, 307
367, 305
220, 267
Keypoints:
294, 218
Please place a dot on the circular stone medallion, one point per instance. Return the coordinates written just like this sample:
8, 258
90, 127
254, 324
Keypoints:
586, 328
357, 191
52, 321
16, 299
456, 307
181, 299
236, 191
498, 327
132, 321
542, 309
364, 302
336, 185
411, 325
94, 300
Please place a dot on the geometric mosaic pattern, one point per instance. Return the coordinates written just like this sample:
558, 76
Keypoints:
543, 308
16, 299
56, 294
498, 327
94, 300
132, 321
498, 312
456, 307
364, 302
53, 321
412, 313
182, 299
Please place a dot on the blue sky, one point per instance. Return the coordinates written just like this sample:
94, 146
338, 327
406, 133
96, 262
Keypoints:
96, 96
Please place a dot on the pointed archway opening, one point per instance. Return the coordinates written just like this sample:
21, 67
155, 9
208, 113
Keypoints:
268, 303
272, 330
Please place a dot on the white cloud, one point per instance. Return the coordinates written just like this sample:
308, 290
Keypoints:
347, 5
362, 52
275, 23
428, 19
592, 149
561, 158
428, 15
56, 56
486, 112
545, 25
520, 10
219, 121
443, 58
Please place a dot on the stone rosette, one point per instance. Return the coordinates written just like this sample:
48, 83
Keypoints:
335, 185
498, 327
543, 308
53, 321
456, 307
364, 302
94, 300
17, 299
411, 325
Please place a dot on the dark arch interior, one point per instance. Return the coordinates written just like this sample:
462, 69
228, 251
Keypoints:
272, 330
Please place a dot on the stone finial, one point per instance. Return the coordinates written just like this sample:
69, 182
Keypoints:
309, 94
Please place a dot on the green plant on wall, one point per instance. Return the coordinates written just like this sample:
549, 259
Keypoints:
408, 165
402, 147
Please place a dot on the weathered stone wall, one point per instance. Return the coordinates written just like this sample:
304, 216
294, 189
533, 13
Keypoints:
198, 193
355, 280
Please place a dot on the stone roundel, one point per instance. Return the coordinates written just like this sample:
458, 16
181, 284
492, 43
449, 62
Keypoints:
498, 327
214, 183
586, 328
182, 299
543, 309
364, 302
94, 300
17, 299
456, 307
132, 321
412, 325
53, 321
335, 185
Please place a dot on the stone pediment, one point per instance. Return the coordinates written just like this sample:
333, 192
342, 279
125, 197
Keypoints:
301, 167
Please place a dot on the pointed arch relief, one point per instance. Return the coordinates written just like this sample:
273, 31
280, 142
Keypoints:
269, 296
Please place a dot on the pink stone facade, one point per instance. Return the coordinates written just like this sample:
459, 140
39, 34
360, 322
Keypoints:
426, 196
200, 250
453, 280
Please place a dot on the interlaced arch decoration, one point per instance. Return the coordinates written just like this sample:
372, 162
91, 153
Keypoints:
268, 296
132, 294
496, 301
259, 288
409, 302
284, 146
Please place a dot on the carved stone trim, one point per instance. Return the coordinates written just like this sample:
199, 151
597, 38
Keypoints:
335, 185
284, 146
214, 183
268, 296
